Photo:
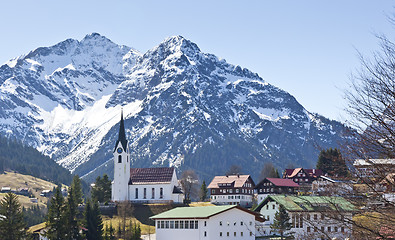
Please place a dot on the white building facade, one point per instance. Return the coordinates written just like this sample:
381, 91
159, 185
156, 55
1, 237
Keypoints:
208, 223
307, 221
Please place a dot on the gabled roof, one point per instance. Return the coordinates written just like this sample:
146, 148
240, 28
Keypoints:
121, 135
279, 182
308, 203
237, 180
200, 212
151, 175
310, 172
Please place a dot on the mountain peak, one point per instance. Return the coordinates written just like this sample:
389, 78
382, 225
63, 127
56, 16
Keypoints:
179, 43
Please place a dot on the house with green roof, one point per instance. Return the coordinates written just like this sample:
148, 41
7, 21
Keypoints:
208, 223
312, 217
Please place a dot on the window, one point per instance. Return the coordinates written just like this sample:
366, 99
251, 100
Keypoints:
335, 229
227, 234
308, 217
329, 229
162, 224
220, 234
161, 193
342, 229
205, 223
268, 217
274, 206
186, 225
127, 158
308, 229
322, 229
267, 207
213, 191
205, 233
167, 223
176, 224
171, 224
241, 223
119, 159
250, 233
220, 223
315, 217
241, 233
158, 224
136, 194
145, 193
181, 224
250, 223
191, 225
153, 193
196, 224
234, 234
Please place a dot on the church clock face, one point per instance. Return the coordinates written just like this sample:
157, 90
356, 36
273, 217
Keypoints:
119, 150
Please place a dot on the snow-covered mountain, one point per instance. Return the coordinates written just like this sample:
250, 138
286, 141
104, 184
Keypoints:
182, 108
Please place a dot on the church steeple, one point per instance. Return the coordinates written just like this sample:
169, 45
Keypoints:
121, 134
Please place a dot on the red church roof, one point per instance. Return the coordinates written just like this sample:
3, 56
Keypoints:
151, 175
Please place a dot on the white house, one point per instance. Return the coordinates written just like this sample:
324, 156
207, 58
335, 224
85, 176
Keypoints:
208, 223
312, 217
232, 190
145, 185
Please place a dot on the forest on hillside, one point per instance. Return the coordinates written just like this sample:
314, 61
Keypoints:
14, 156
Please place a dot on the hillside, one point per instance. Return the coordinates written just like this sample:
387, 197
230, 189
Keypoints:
35, 185
17, 157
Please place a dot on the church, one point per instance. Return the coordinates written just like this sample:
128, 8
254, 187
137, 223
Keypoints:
141, 185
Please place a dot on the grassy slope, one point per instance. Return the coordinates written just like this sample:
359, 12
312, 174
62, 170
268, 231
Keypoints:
36, 185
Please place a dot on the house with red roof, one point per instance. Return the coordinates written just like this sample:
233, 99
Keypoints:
271, 186
232, 190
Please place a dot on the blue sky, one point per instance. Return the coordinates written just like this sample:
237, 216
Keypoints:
308, 48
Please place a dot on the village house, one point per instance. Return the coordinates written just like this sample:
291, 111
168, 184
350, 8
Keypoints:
232, 190
209, 222
304, 177
271, 186
374, 167
141, 185
312, 217
327, 186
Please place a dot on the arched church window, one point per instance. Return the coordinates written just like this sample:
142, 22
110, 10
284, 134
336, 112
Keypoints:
119, 159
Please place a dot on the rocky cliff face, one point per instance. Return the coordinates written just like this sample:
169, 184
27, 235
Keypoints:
182, 108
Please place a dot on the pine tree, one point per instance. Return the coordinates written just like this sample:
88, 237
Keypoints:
55, 218
77, 190
330, 161
281, 223
93, 222
12, 225
102, 190
71, 211
203, 192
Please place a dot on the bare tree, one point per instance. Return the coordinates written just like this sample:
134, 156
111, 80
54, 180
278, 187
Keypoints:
234, 170
190, 184
268, 171
371, 106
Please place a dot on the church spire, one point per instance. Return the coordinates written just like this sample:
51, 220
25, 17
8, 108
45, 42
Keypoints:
121, 134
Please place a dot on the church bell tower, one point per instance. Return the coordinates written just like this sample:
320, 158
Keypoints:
120, 185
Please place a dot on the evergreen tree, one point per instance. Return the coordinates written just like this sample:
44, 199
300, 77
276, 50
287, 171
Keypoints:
77, 190
71, 211
55, 218
330, 161
203, 192
102, 189
93, 222
12, 225
281, 223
